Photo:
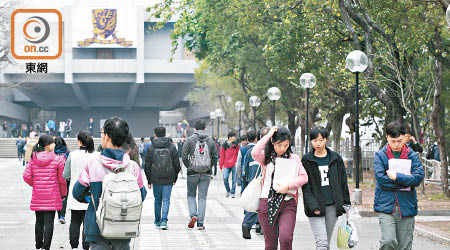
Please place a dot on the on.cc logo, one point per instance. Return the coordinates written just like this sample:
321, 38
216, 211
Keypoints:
36, 29
36, 34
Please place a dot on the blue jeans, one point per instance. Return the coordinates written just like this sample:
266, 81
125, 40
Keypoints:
226, 175
111, 245
243, 185
200, 181
250, 219
162, 201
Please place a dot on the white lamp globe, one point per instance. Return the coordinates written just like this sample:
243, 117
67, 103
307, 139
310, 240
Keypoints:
212, 115
239, 106
274, 94
254, 101
219, 113
447, 15
308, 80
356, 61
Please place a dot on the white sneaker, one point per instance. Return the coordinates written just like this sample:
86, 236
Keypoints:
227, 195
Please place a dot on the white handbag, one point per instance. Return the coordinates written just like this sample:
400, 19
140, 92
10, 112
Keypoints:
250, 197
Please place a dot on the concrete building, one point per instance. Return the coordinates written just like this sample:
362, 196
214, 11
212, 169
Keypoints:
135, 78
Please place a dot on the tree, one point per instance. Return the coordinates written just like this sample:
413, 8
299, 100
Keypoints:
259, 44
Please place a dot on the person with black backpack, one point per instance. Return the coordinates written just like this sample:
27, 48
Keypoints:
199, 154
161, 168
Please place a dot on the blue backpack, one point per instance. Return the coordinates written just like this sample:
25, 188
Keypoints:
243, 151
249, 165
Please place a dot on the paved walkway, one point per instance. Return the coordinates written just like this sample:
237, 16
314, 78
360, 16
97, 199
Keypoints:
223, 222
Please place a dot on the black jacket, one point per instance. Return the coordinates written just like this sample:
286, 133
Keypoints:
312, 191
189, 147
416, 147
163, 142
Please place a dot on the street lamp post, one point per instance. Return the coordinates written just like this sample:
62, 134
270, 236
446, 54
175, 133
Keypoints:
212, 116
239, 106
254, 103
274, 95
307, 81
219, 114
357, 62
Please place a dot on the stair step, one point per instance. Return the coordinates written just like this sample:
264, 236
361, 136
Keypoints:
8, 148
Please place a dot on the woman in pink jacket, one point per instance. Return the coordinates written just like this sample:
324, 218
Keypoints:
278, 204
44, 173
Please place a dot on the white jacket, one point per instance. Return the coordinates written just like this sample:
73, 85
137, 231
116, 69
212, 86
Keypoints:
76, 161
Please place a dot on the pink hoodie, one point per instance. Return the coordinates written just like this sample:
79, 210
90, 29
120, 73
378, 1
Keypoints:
44, 173
302, 177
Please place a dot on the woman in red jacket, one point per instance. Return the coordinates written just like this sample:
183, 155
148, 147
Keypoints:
44, 174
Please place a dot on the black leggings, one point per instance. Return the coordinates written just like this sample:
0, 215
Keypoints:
215, 170
43, 229
62, 212
77, 217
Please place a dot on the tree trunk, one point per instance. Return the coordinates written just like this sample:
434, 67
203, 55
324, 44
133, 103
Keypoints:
336, 127
415, 127
438, 122
292, 125
350, 121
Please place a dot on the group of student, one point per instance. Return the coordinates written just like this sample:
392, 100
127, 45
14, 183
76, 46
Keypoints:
322, 176
76, 178
59, 177
320, 173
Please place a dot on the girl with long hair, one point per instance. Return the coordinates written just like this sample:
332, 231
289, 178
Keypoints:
278, 203
44, 174
131, 148
76, 161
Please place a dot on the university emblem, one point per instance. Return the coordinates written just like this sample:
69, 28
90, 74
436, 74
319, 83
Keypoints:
104, 21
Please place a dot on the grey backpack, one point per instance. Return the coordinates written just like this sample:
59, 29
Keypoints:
118, 214
201, 160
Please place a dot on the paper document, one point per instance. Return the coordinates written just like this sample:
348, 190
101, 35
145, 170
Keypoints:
285, 172
402, 166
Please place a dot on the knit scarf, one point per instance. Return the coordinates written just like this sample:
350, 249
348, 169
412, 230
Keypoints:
403, 155
275, 200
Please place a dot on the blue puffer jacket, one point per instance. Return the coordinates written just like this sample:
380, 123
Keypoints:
387, 193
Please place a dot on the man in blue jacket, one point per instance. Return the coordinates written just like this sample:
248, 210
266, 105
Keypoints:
395, 194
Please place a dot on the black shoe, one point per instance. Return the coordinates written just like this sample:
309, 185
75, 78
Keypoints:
246, 233
258, 228
200, 226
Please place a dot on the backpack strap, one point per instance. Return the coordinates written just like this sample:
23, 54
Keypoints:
108, 171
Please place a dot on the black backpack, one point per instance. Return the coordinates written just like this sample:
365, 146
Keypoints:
430, 153
162, 163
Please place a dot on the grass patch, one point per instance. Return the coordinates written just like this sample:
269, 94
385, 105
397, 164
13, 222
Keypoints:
438, 197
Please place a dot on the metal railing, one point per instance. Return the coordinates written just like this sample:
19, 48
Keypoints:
432, 171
